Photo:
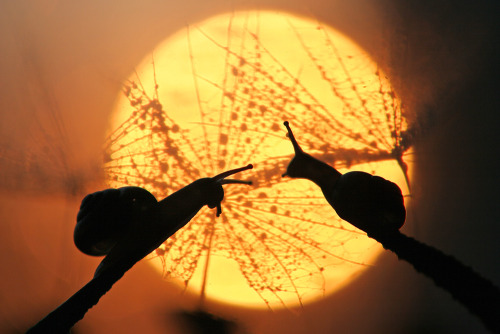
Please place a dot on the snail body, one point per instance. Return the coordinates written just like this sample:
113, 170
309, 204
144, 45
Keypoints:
369, 202
128, 223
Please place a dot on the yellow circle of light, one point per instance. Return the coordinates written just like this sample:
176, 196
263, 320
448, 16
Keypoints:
214, 97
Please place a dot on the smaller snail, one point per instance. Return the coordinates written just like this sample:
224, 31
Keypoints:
376, 206
369, 202
128, 223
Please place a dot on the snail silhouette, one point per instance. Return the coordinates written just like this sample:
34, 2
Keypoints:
125, 225
369, 202
376, 206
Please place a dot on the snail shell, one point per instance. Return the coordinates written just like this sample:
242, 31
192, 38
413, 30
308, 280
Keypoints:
369, 202
105, 216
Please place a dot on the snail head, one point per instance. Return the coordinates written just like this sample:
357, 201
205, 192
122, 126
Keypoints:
305, 166
216, 194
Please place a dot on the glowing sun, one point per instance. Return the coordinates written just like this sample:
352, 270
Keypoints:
213, 97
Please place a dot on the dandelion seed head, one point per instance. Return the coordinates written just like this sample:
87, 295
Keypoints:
219, 94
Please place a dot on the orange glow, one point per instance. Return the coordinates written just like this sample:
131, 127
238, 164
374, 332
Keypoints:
213, 97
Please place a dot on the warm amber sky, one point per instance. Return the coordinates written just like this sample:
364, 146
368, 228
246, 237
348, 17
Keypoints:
62, 67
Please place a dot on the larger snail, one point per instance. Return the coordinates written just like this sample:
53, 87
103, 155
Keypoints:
369, 202
127, 224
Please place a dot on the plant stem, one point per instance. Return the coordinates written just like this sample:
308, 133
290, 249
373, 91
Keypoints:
476, 293
74, 309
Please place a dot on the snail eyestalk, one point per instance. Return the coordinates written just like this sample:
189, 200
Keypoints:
225, 174
296, 146
231, 181
299, 153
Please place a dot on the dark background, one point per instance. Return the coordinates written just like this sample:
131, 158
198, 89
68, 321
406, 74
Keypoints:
62, 66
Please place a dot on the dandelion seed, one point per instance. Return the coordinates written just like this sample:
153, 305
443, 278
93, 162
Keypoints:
281, 237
